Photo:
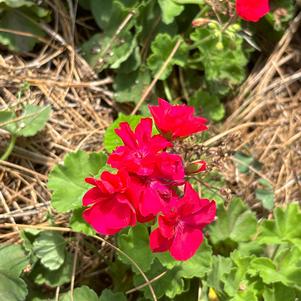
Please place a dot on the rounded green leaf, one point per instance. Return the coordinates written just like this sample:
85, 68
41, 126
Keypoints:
108, 295
136, 244
50, 248
83, 293
67, 181
12, 288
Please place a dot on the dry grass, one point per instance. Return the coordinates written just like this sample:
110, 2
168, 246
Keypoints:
81, 104
269, 104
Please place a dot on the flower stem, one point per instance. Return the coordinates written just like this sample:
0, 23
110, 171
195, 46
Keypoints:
10, 148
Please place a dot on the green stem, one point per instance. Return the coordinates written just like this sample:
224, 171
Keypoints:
198, 2
167, 90
10, 148
198, 43
275, 252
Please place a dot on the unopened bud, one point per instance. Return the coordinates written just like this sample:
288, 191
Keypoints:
195, 167
219, 46
200, 22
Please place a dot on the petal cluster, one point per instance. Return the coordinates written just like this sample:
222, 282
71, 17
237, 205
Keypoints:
181, 224
252, 10
148, 182
176, 121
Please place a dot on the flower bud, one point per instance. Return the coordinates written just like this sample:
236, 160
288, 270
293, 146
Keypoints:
200, 22
219, 46
195, 167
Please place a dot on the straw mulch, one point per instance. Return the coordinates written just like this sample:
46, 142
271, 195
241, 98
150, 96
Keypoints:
267, 116
81, 111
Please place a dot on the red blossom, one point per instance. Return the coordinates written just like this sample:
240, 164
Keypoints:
146, 184
112, 208
174, 121
252, 10
181, 224
155, 191
137, 155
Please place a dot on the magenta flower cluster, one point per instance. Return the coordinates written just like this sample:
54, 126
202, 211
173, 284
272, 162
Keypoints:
148, 184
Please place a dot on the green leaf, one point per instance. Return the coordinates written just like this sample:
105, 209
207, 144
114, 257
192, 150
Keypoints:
108, 295
132, 63
17, 3
279, 292
243, 162
78, 224
286, 268
111, 139
6, 116
83, 293
12, 262
199, 264
170, 10
220, 53
237, 280
67, 181
99, 55
170, 284
209, 105
247, 293
136, 244
35, 118
161, 48
266, 194
221, 267
50, 248
13, 259
43, 276
285, 227
117, 271
109, 14
19, 19
12, 288
236, 223
129, 87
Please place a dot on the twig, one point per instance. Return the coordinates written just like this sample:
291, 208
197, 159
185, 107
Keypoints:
7, 210
157, 76
145, 284
74, 267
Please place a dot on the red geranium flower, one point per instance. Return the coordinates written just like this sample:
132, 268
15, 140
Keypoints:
174, 121
111, 209
181, 224
140, 148
156, 190
252, 10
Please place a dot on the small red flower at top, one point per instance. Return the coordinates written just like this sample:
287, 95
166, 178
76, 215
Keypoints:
175, 121
139, 149
252, 10
112, 208
181, 224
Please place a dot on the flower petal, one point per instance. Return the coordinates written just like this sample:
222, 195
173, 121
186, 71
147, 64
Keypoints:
151, 202
158, 243
186, 242
126, 134
110, 216
93, 195
252, 10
